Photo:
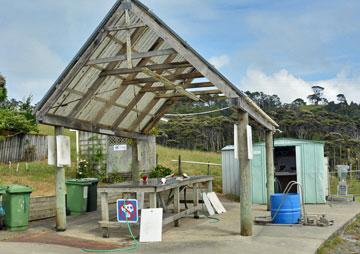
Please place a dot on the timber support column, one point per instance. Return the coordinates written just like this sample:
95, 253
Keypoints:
135, 161
269, 146
246, 217
60, 190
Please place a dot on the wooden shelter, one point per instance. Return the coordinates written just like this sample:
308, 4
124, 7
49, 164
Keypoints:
128, 74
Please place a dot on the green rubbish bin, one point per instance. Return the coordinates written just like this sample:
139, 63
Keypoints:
17, 206
77, 195
2, 210
92, 194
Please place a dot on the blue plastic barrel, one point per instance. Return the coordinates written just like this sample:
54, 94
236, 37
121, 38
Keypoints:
285, 208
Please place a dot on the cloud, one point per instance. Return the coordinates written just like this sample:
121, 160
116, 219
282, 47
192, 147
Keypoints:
288, 87
219, 61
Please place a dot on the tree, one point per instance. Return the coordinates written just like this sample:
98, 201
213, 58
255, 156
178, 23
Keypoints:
298, 102
341, 99
3, 91
317, 96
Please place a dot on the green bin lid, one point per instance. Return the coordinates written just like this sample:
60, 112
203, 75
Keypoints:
16, 188
3, 189
91, 180
77, 182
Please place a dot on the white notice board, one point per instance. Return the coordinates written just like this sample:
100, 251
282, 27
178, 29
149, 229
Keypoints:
249, 142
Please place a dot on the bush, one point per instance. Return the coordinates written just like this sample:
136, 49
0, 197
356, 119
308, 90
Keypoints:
160, 171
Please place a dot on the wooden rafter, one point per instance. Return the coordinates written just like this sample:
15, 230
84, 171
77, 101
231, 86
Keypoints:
124, 27
146, 112
189, 86
171, 77
123, 57
119, 91
153, 67
137, 98
167, 83
195, 93
98, 82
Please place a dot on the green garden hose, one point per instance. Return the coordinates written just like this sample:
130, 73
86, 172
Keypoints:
134, 246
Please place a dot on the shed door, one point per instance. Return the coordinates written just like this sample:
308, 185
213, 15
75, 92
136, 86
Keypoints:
258, 173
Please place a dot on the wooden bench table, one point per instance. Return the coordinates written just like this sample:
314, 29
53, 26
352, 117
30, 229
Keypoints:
153, 188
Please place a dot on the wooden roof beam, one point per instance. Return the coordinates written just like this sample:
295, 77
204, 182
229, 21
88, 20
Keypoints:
82, 125
169, 84
123, 27
153, 67
172, 77
197, 93
123, 57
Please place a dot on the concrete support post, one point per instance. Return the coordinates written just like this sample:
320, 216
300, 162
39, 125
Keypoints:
135, 172
269, 146
60, 190
246, 217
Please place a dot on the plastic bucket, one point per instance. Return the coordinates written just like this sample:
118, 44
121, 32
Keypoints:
285, 208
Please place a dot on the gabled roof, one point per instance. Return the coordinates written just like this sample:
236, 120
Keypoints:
102, 91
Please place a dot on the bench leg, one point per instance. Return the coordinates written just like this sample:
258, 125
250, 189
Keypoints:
196, 199
177, 205
105, 212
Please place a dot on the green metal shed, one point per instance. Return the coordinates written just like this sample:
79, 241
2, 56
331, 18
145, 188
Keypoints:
294, 159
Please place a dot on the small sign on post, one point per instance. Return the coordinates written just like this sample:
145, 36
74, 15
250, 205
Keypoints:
127, 210
120, 148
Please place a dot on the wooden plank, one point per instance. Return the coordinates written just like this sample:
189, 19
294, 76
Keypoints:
208, 85
195, 93
208, 205
161, 112
128, 40
214, 200
154, 67
123, 27
167, 83
172, 77
136, 98
143, 114
138, 55
99, 81
123, 87
184, 213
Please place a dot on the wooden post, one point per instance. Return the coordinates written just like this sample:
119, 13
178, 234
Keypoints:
179, 166
246, 217
196, 199
104, 212
210, 187
152, 200
334, 159
269, 146
135, 162
60, 190
176, 205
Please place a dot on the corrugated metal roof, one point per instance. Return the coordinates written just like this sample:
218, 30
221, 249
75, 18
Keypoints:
97, 91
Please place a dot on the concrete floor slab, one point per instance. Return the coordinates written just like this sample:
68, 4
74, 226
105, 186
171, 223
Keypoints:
204, 235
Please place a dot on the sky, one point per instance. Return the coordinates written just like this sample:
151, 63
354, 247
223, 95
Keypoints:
278, 47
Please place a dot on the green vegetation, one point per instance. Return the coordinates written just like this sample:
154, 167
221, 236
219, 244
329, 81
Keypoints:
16, 117
341, 243
160, 171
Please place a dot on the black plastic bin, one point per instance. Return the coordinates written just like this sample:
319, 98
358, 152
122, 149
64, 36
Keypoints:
92, 194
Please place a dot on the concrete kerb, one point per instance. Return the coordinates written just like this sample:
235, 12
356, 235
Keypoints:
338, 231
